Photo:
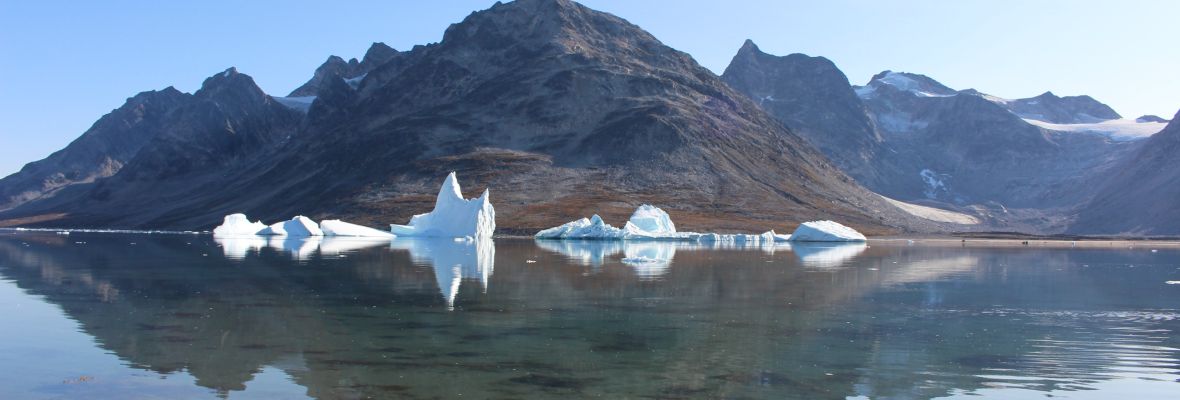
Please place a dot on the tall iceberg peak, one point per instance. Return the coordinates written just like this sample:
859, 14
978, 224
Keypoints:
453, 216
651, 220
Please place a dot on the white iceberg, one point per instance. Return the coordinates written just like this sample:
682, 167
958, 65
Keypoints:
335, 227
238, 225
585, 228
647, 223
453, 216
825, 231
299, 226
650, 220
771, 237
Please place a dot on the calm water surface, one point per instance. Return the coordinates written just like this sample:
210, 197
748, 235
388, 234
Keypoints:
117, 316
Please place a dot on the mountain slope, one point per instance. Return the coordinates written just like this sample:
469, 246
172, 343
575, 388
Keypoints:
560, 109
99, 153
1139, 196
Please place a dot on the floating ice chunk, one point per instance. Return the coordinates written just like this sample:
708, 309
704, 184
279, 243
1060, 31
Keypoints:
825, 231
299, 226
650, 220
771, 237
238, 225
453, 216
585, 228
335, 227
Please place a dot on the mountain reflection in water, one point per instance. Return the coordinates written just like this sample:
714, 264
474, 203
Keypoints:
333, 319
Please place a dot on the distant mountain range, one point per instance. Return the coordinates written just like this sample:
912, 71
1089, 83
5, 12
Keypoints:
562, 111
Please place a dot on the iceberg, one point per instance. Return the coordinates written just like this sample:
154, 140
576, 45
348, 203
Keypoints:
647, 223
238, 225
825, 231
453, 216
335, 227
650, 220
299, 226
585, 228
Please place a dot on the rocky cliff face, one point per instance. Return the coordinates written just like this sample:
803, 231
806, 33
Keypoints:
1140, 196
558, 108
100, 152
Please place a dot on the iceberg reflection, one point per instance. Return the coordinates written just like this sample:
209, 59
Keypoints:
299, 248
827, 255
453, 260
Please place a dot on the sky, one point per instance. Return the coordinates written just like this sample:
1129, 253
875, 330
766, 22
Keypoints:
66, 63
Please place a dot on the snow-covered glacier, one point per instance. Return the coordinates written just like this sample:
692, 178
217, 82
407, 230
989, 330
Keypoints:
825, 231
453, 216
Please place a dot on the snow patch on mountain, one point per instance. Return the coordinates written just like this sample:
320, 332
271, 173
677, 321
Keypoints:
1125, 129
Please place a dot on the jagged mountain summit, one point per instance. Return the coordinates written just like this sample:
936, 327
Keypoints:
559, 107
815, 100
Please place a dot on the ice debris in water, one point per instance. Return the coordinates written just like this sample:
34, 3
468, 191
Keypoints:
238, 225
825, 231
453, 216
335, 227
647, 223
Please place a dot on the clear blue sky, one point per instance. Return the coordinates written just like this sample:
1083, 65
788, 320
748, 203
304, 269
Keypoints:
66, 63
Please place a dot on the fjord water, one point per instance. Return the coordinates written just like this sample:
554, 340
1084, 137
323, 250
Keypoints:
114, 316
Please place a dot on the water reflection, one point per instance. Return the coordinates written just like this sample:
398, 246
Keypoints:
452, 261
827, 255
299, 248
893, 322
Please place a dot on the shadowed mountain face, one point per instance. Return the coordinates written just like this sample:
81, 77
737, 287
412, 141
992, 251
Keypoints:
99, 153
560, 109
1140, 195
812, 97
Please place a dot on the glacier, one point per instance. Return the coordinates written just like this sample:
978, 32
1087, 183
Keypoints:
299, 226
238, 225
453, 216
825, 231
335, 227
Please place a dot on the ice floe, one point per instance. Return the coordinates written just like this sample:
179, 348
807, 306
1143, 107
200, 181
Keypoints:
335, 227
453, 216
238, 225
825, 231
649, 223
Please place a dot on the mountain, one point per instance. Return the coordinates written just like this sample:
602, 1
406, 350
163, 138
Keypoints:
558, 108
967, 148
1049, 107
222, 128
352, 70
1139, 196
814, 98
1151, 118
99, 153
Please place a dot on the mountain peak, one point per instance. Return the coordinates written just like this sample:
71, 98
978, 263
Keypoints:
749, 47
230, 84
